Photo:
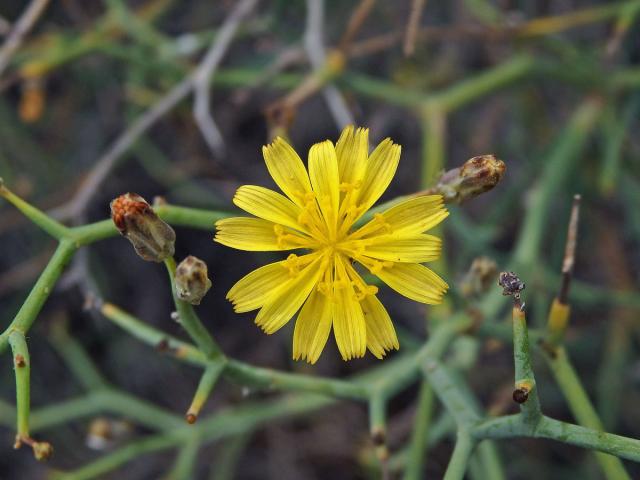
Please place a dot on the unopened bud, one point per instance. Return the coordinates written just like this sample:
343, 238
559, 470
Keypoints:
151, 237
479, 277
192, 281
476, 176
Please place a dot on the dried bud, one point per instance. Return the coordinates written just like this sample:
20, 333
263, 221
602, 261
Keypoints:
42, 450
104, 433
192, 281
476, 176
152, 238
479, 277
510, 283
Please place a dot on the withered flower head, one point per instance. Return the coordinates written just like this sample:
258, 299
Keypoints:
477, 175
479, 277
151, 237
192, 281
42, 450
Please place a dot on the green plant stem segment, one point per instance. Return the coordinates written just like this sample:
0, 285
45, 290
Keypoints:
22, 367
40, 292
207, 382
525, 382
465, 444
581, 407
418, 446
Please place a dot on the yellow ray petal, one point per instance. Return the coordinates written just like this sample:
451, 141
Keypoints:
289, 298
414, 281
409, 217
323, 171
287, 170
381, 336
415, 249
352, 151
312, 328
381, 168
348, 319
260, 286
269, 205
258, 235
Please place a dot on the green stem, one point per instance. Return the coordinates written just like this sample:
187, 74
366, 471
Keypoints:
22, 367
41, 219
468, 90
40, 292
525, 381
189, 319
207, 382
228, 456
559, 164
581, 407
257, 377
452, 397
488, 453
459, 462
186, 459
76, 358
154, 337
378, 419
418, 445
513, 426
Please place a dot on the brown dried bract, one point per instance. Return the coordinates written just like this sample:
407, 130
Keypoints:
134, 218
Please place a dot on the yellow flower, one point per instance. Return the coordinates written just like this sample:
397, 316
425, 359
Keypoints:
317, 216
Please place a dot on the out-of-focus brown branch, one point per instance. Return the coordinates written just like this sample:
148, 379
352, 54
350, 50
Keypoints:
76, 205
570, 250
417, 7
326, 66
204, 73
23, 26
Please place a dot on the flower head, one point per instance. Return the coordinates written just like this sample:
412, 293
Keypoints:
134, 218
317, 217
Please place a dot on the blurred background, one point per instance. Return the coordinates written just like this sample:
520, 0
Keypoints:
175, 99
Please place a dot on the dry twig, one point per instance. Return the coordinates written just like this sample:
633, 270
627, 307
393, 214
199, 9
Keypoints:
24, 24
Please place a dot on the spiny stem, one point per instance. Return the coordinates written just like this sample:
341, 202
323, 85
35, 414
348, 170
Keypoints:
189, 319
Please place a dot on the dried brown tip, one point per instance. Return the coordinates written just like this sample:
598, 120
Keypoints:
570, 250
378, 436
512, 286
20, 361
191, 418
41, 450
520, 395
150, 236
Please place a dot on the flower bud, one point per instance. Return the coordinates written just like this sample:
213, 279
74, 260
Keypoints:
192, 281
42, 450
476, 176
479, 277
151, 237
